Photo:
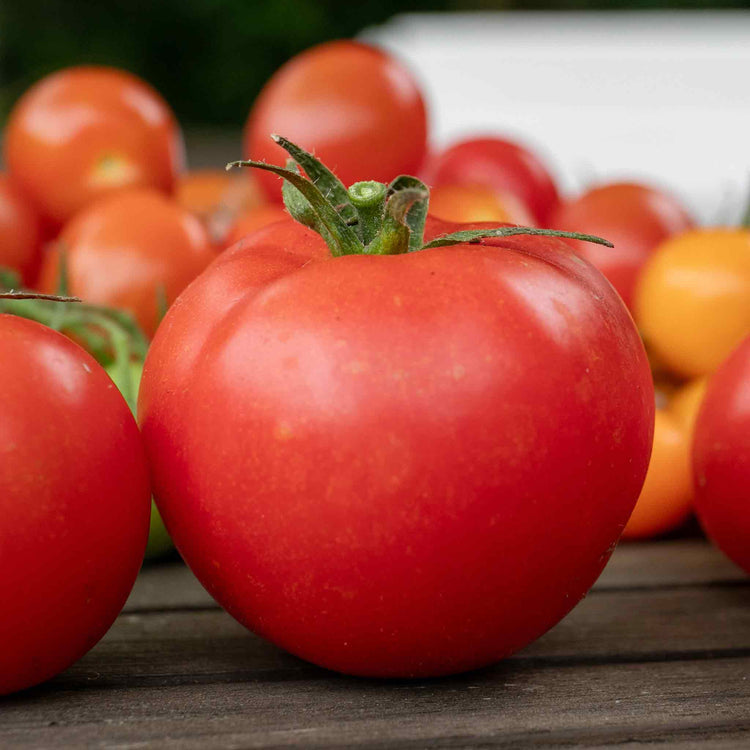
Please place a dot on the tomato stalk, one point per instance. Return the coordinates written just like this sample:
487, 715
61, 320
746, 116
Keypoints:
371, 218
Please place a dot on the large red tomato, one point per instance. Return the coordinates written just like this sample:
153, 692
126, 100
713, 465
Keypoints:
85, 132
507, 167
397, 465
20, 231
74, 503
355, 106
136, 251
635, 218
721, 457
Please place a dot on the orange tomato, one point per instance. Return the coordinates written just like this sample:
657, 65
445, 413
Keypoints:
666, 499
471, 203
134, 251
693, 299
85, 132
20, 232
248, 221
204, 192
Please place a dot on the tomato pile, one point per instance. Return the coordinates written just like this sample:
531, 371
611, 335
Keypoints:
397, 407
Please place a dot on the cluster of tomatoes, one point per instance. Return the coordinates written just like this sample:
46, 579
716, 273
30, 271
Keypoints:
397, 436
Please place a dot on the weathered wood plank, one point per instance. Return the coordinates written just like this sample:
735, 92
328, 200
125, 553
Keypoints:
685, 562
514, 704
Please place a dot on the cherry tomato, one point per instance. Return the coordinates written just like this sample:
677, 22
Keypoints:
134, 251
355, 106
20, 232
249, 221
474, 203
397, 465
635, 218
693, 299
507, 167
721, 457
74, 503
84, 132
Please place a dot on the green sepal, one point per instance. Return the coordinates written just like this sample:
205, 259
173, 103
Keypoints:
339, 237
475, 235
395, 235
298, 206
417, 213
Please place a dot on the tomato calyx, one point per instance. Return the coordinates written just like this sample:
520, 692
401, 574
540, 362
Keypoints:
371, 218
111, 336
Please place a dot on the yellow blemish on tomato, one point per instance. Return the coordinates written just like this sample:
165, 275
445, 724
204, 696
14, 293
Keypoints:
112, 170
283, 431
458, 372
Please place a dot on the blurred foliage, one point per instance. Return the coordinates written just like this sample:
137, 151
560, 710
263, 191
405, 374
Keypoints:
209, 58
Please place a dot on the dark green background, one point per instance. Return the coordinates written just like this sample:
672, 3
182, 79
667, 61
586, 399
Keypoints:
210, 58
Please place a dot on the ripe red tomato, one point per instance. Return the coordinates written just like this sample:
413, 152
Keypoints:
74, 503
397, 465
128, 251
20, 231
635, 218
502, 165
355, 106
721, 457
85, 132
252, 220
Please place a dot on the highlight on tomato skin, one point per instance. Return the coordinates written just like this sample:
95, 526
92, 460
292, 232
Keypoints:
721, 457
635, 217
692, 302
502, 165
74, 503
85, 132
343, 81
139, 265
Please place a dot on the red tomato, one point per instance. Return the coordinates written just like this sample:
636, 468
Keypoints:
721, 457
20, 232
128, 251
401, 465
473, 203
502, 165
74, 503
356, 107
252, 220
82, 133
635, 218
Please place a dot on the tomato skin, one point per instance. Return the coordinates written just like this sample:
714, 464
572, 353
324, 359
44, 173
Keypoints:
693, 299
379, 465
721, 457
84, 132
354, 106
124, 248
465, 204
74, 503
502, 165
250, 221
635, 218
20, 231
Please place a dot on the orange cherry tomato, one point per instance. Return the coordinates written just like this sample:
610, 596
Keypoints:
85, 132
687, 401
693, 299
20, 231
356, 107
204, 192
465, 204
135, 250
248, 221
635, 218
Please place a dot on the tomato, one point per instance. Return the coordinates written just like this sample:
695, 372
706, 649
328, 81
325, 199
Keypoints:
354, 105
635, 218
504, 166
74, 503
249, 221
397, 465
721, 457
20, 232
85, 132
133, 251
473, 203
693, 299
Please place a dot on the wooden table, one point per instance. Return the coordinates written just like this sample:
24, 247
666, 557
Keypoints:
658, 654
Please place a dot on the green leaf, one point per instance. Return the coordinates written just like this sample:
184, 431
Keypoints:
475, 235
339, 237
417, 214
